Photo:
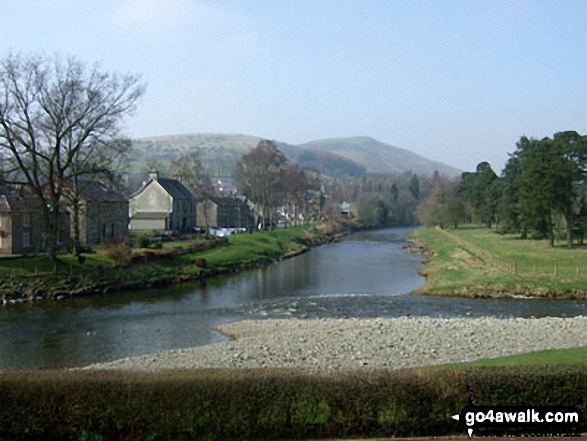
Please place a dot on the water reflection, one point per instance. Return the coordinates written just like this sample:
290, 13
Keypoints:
366, 275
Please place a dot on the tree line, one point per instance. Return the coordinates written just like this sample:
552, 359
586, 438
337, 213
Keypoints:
542, 192
264, 176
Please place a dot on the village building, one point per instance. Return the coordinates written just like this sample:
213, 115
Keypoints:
162, 205
20, 223
103, 213
226, 212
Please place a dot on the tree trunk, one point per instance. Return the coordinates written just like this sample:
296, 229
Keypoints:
52, 233
524, 234
551, 231
569, 222
76, 242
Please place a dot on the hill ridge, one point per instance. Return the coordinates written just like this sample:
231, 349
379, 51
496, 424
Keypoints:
356, 153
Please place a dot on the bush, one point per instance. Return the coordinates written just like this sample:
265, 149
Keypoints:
262, 404
119, 252
201, 263
143, 241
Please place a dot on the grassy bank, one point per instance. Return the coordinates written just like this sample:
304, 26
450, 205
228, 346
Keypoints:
550, 357
474, 261
119, 267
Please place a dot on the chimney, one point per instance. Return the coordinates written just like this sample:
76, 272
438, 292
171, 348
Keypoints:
154, 174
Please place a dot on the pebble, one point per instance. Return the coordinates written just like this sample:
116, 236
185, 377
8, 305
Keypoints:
341, 344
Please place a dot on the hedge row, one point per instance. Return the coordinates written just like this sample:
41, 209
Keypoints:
266, 404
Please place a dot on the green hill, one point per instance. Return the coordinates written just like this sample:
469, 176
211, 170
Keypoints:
378, 157
350, 156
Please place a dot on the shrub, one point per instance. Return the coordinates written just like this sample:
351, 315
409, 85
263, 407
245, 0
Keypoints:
263, 404
119, 252
201, 263
143, 241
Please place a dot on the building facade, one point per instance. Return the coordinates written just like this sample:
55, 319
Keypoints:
20, 224
103, 214
162, 205
225, 212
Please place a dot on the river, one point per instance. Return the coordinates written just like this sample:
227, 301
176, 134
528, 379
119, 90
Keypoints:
367, 274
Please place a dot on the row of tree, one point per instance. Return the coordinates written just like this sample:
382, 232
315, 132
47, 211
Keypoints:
543, 185
264, 175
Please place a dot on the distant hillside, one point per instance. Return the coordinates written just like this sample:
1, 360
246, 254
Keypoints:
350, 156
378, 157
219, 151
329, 163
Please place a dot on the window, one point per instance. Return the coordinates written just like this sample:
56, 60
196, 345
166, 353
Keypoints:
26, 239
26, 220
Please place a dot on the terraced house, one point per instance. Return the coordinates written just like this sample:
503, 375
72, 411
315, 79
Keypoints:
103, 213
162, 205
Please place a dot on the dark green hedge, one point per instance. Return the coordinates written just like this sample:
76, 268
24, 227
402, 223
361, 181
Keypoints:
265, 404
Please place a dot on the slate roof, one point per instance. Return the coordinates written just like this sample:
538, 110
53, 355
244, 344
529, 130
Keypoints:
175, 188
228, 202
96, 192
17, 200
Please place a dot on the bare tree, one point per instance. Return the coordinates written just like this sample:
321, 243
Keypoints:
296, 185
258, 176
59, 121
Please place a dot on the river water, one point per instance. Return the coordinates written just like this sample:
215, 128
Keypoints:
367, 274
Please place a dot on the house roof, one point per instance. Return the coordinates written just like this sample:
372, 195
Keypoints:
175, 188
17, 200
97, 192
228, 201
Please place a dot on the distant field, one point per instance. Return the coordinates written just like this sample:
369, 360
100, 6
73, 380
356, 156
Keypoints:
474, 260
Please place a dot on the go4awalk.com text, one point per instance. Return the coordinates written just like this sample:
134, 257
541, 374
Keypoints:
521, 420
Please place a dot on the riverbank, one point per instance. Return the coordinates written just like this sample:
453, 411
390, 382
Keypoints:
121, 268
476, 262
334, 345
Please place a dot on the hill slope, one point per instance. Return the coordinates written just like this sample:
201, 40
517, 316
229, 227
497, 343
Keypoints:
378, 157
353, 156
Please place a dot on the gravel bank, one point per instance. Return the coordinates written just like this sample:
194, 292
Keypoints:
340, 344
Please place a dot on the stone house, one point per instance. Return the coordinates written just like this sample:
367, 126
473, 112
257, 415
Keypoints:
162, 205
20, 223
225, 212
103, 213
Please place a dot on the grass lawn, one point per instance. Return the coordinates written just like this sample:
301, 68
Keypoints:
252, 248
475, 261
547, 357
26, 266
175, 261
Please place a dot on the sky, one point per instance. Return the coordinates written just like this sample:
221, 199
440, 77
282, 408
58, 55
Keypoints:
455, 81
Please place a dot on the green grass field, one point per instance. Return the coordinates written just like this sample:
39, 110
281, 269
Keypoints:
28, 266
548, 357
475, 261
242, 249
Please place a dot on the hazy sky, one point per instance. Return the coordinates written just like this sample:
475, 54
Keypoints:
455, 81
